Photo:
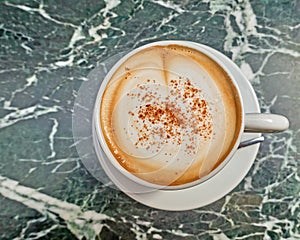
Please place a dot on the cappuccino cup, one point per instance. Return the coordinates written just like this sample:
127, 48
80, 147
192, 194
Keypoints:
170, 115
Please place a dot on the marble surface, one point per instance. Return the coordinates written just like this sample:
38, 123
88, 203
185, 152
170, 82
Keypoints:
47, 49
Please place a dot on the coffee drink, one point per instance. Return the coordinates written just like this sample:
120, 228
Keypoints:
170, 114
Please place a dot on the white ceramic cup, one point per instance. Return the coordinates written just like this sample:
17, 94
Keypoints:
250, 122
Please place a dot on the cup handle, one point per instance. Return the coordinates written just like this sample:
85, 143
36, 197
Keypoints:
265, 123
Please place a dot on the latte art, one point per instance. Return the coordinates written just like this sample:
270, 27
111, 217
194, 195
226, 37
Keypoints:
169, 115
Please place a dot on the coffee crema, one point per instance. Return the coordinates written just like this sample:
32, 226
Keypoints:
170, 114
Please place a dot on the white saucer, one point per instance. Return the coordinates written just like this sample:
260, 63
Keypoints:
208, 192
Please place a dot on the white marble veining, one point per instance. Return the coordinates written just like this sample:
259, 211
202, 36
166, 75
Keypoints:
81, 223
267, 202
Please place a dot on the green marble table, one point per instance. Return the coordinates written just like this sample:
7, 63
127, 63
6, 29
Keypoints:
47, 49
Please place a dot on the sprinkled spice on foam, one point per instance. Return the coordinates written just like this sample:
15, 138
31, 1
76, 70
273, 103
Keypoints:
184, 113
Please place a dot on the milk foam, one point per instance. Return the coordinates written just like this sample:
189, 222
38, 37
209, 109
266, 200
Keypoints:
167, 116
